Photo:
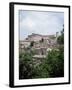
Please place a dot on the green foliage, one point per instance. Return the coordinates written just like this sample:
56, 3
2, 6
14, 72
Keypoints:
25, 66
51, 66
55, 63
27, 70
60, 39
40, 71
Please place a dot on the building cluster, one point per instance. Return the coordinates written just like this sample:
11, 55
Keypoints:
41, 44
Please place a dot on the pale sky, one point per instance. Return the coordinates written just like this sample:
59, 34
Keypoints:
38, 22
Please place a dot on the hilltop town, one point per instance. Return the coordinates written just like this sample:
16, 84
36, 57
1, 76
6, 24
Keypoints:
41, 56
41, 44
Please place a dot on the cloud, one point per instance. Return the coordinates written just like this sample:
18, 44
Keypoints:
40, 22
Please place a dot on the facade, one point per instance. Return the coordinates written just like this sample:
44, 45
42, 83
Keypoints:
41, 43
38, 37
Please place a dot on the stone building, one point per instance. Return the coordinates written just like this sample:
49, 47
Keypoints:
38, 37
42, 43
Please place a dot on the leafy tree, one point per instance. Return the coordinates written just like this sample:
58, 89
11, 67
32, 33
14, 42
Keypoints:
60, 39
25, 66
42, 40
32, 44
40, 71
55, 63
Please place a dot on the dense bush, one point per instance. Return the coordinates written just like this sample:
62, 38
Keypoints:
60, 39
52, 66
25, 66
55, 63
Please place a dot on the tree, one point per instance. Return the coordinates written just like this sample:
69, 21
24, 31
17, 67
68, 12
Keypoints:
60, 39
25, 66
32, 44
55, 63
42, 40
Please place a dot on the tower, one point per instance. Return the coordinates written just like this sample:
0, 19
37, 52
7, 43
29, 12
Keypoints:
57, 34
